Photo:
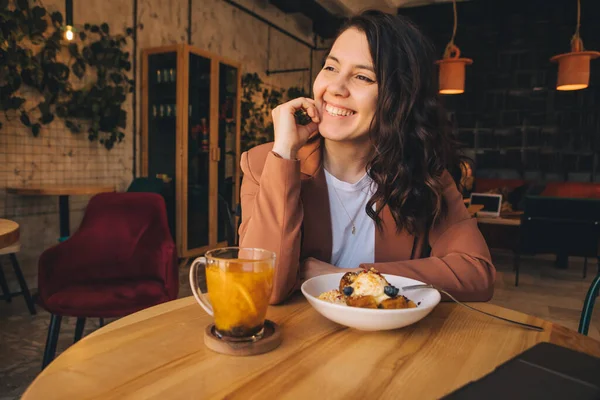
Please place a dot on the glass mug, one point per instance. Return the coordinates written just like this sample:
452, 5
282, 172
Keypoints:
239, 282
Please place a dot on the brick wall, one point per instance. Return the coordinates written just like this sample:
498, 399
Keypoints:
510, 119
59, 157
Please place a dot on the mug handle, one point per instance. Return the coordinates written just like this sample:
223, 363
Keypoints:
204, 303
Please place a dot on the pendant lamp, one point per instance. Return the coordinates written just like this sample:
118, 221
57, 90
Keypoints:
69, 29
574, 67
452, 67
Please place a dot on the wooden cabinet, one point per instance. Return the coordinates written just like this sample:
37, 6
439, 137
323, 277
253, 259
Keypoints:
191, 103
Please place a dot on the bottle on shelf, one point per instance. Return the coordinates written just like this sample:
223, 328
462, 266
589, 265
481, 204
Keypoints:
204, 144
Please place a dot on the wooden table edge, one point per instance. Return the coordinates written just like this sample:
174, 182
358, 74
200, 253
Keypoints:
11, 237
557, 334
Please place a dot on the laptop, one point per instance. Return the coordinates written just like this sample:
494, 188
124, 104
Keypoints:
492, 204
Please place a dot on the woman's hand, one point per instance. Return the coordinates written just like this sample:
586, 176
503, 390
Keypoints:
289, 136
312, 267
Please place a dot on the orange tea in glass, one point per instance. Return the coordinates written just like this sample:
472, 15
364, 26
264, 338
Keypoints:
239, 283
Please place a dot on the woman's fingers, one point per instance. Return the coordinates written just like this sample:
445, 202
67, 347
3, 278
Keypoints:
306, 104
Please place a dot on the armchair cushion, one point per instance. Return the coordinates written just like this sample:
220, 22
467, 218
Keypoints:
105, 300
122, 257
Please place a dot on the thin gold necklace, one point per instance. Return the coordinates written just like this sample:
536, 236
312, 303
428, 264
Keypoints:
346, 211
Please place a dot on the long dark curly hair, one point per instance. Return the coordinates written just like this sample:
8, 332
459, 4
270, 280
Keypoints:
410, 134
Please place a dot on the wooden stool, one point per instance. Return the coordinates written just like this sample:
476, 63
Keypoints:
6, 293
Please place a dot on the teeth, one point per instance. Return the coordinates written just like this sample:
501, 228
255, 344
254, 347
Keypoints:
338, 112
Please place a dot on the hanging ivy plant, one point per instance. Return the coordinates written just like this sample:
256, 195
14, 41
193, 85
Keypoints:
257, 103
31, 45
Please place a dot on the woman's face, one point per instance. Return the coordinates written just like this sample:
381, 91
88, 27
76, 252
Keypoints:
346, 89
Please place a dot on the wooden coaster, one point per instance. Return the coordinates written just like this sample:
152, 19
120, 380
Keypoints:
271, 340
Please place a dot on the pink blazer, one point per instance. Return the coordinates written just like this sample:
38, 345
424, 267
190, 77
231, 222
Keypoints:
285, 209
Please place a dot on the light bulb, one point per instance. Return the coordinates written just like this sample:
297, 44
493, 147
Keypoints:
69, 33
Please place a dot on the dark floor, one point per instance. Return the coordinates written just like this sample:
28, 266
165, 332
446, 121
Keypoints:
544, 291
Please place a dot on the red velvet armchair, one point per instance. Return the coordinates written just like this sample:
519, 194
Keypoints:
121, 260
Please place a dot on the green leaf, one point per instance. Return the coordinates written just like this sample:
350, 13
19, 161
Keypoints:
94, 29
15, 83
16, 102
82, 35
47, 118
74, 128
38, 12
79, 69
59, 70
22, 4
122, 122
74, 50
88, 54
25, 119
105, 28
116, 77
35, 129
57, 18
44, 107
62, 112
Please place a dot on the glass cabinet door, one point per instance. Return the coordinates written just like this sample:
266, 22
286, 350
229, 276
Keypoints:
198, 153
228, 87
161, 113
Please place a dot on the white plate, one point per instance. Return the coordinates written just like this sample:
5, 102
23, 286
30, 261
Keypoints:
366, 319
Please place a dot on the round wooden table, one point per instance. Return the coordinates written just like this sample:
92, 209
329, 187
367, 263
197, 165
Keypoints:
63, 192
159, 353
9, 232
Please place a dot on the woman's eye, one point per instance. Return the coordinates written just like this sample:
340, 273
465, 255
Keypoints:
364, 78
328, 68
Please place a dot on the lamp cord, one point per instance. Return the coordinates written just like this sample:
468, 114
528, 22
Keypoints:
576, 42
451, 47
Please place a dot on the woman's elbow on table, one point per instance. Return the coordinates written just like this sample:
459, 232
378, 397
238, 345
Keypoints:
482, 285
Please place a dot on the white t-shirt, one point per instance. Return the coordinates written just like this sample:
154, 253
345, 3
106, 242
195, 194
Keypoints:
348, 250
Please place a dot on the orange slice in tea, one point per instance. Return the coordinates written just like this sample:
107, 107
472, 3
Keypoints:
244, 292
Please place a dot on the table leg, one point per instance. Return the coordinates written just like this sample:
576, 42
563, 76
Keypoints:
63, 212
562, 261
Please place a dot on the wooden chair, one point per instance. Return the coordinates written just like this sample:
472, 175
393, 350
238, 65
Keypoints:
7, 295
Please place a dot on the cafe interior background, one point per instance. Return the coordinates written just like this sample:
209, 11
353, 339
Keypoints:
512, 121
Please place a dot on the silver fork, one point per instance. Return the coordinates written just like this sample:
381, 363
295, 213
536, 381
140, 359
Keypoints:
415, 287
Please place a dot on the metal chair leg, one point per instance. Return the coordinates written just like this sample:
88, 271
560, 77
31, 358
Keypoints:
517, 263
79, 329
4, 286
23, 284
588, 306
51, 340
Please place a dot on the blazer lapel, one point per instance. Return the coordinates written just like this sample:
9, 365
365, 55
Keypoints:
389, 244
316, 232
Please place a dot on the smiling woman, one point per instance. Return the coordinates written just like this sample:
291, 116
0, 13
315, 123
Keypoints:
365, 183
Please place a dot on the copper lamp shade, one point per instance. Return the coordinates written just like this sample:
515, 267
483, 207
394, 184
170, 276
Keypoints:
452, 75
574, 69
